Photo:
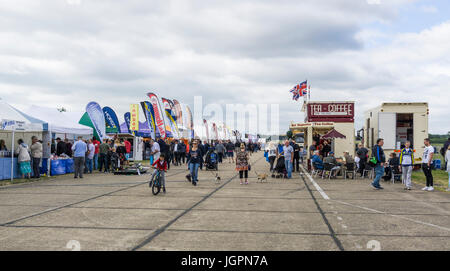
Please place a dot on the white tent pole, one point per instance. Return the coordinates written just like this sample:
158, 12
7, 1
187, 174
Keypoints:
12, 154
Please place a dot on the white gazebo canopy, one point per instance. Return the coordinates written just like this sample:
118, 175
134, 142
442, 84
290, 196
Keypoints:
60, 122
13, 119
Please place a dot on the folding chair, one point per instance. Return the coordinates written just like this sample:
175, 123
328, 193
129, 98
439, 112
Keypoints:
369, 170
328, 169
396, 173
314, 170
350, 168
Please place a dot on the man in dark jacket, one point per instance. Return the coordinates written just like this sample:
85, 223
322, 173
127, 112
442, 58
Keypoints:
60, 147
378, 153
362, 154
68, 146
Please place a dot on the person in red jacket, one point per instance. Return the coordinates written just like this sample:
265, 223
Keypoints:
97, 151
128, 149
160, 165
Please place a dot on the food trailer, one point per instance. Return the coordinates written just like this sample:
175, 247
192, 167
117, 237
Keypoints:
396, 123
321, 117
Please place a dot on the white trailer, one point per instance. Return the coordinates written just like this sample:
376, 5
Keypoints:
397, 123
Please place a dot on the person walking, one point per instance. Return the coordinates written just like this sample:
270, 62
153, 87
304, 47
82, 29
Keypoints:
362, 154
296, 161
194, 160
406, 164
96, 144
230, 151
176, 152
79, 149
427, 159
23, 159
36, 156
103, 156
288, 153
378, 153
242, 165
90, 154
183, 150
447, 160
220, 149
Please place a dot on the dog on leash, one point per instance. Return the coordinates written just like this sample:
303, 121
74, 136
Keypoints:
262, 177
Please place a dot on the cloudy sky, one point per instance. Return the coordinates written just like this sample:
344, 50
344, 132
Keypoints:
70, 52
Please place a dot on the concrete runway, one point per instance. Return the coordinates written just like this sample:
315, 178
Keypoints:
106, 212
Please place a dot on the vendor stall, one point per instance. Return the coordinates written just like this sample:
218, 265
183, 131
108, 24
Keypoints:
15, 125
60, 124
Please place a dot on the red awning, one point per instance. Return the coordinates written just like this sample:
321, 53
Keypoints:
333, 134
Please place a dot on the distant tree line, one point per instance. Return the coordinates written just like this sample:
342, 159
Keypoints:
439, 139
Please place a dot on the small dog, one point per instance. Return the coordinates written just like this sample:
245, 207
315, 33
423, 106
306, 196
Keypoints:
262, 177
218, 179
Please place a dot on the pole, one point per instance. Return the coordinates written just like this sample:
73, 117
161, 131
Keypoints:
12, 154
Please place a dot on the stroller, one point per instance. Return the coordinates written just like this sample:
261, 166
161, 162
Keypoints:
115, 161
280, 168
212, 160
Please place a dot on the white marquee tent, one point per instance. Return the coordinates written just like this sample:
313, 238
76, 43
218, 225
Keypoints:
60, 122
13, 119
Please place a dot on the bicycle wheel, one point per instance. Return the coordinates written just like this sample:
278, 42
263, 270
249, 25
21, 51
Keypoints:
156, 187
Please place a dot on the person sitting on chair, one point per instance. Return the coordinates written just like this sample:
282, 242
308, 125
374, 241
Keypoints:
394, 163
348, 159
317, 162
330, 159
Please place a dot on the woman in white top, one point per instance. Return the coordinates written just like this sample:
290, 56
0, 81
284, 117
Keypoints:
24, 159
447, 159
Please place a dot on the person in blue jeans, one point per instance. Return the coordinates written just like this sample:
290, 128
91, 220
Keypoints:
194, 160
288, 153
378, 153
90, 156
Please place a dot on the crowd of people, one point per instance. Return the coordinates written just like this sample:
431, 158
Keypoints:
197, 154
107, 156
285, 158
112, 154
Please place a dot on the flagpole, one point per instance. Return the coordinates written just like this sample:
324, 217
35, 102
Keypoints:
309, 93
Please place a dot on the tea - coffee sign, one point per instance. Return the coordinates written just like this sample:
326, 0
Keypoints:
331, 112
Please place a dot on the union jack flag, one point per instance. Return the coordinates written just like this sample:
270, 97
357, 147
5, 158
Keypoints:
299, 90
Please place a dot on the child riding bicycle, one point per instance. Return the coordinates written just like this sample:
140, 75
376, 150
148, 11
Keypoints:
161, 166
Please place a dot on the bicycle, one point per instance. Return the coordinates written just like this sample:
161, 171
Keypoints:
155, 183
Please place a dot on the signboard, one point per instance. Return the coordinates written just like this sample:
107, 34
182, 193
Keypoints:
330, 112
13, 125
312, 124
134, 117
